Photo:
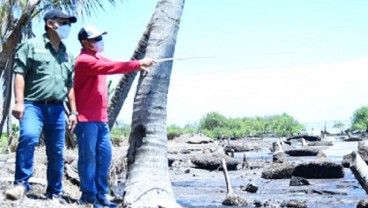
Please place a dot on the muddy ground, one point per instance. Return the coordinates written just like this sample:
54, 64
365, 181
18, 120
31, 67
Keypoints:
195, 187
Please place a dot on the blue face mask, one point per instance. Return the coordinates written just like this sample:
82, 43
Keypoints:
63, 31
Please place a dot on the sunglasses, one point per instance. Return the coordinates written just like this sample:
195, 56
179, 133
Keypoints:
61, 22
96, 39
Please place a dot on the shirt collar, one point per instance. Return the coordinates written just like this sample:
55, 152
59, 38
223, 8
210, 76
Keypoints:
47, 41
84, 51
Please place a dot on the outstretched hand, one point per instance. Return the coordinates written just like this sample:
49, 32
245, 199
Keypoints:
145, 63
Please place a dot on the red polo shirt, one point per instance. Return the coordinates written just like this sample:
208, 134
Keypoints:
90, 84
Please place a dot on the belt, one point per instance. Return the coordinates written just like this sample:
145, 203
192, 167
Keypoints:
49, 102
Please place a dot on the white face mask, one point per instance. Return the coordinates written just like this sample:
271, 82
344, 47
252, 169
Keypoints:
63, 31
98, 46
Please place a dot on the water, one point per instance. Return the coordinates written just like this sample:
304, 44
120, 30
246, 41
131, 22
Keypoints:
211, 192
209, 189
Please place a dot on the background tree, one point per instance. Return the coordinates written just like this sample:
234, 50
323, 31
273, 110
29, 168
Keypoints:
285, 125
215, 125
213, 120
339, 125
148, 182
359, 121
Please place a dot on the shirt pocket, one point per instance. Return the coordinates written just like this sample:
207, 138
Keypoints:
41, 63
66, 70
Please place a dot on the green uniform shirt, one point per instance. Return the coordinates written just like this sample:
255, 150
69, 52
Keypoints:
48, 74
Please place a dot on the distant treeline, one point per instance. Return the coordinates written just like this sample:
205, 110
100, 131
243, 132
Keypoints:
215, 125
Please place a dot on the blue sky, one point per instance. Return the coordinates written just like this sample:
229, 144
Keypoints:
307, 58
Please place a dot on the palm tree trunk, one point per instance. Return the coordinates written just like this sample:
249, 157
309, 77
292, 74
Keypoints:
7, 83
148, 182
360, 170
126, 81
12, 38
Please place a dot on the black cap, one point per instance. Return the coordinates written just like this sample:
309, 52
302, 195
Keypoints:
57, 13
88, 32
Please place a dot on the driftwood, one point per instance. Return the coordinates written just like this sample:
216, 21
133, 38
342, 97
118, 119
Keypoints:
294, 203
362, 151
311, 138
176, 157
236, 148
280, 168
352, 138
245, 161
363, 203
117, 167
298, 181
199, 139
304, 151
212, 161
320, 143
278, 171
279, 146
360, 170
328, 192
251, 188
71, 172
231, 198
318, 169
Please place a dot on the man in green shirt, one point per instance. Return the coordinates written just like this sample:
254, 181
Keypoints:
43, 81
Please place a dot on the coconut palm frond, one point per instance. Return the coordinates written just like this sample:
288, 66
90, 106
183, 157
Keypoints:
80, 8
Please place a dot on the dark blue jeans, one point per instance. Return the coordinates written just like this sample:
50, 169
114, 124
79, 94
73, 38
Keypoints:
94, 158
52, 118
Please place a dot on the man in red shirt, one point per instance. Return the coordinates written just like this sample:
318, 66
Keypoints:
92, 131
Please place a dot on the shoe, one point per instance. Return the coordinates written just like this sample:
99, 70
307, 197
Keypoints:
88, 204
16, 192
105, 202
57, 197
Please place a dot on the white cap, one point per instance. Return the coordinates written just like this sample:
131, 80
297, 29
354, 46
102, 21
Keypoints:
88, 32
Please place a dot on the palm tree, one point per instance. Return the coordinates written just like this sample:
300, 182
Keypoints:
148, 182
125, 83
14, 29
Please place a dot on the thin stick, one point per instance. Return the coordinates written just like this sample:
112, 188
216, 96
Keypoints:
184, 58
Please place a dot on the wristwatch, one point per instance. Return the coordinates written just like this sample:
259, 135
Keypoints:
74, 113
